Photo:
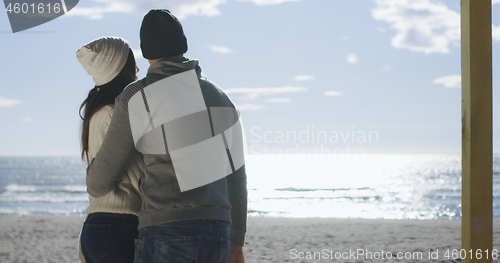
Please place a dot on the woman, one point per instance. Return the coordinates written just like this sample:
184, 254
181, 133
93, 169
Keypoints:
111, 224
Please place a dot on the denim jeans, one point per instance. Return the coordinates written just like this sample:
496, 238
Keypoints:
193, 241
109, 238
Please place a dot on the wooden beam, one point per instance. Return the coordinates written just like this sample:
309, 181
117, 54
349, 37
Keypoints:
477, 150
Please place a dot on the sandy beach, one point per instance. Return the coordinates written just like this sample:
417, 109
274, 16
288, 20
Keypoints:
53, 238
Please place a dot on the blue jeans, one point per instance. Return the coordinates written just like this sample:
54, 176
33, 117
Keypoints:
109, 238
193, 241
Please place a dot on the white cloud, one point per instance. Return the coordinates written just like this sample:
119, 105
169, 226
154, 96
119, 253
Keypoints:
452, 81
98, 11
333, 93
352, 58
495, 1
386, 68
422, 25
137, 53
4, 102
304, 77
26, 119
495, 31
279, 100
252, 93
269, 2
180, 8
346, 37
250, 107
220, 49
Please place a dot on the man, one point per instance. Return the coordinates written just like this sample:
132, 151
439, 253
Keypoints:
194, 196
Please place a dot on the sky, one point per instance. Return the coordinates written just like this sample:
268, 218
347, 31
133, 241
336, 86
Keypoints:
309, 76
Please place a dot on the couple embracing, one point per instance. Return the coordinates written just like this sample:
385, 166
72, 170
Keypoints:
166, 176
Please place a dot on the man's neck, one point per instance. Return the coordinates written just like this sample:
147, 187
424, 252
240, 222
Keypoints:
152, 61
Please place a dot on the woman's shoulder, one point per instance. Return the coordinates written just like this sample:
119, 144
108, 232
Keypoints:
103, 113
101, 119
105, 110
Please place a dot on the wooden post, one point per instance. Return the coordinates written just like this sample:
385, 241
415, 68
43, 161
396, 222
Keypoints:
477, 149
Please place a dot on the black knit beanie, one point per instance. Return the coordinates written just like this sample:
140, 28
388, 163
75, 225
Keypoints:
162, 35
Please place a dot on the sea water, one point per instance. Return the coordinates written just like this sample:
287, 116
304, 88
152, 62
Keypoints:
392, 186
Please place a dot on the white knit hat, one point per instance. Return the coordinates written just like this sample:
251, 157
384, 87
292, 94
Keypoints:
104, 58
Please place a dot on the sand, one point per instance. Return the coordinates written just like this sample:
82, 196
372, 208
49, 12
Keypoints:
53, 238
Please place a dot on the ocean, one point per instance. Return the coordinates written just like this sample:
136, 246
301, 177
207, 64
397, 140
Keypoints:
389, 186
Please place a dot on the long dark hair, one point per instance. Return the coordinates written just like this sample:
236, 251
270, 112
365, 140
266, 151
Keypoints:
103, 95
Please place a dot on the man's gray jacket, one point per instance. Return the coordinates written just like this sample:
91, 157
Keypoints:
190, 136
